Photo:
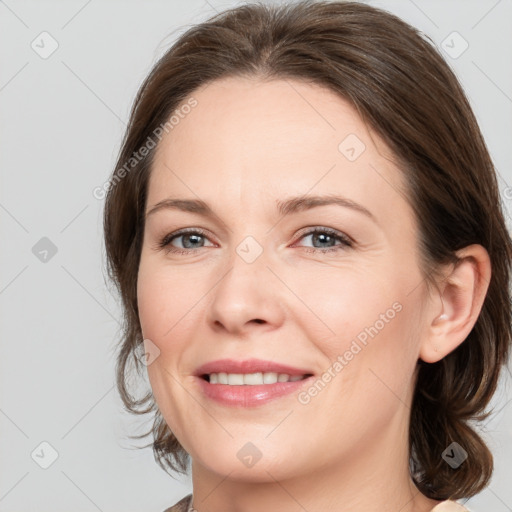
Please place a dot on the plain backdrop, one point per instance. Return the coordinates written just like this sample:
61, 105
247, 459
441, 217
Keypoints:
69, 73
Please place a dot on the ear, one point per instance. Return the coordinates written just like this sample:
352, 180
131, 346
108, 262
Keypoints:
459, 300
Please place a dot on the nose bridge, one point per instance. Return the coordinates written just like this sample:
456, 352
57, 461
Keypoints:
247, 291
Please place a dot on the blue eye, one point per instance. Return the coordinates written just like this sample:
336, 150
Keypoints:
327, 236
193, 238
191, 235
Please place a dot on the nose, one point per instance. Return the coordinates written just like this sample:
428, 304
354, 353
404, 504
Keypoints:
247, 296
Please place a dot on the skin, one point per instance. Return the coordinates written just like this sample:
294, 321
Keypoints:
247, 144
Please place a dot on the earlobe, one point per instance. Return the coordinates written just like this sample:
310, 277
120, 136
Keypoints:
441, 317
461, 293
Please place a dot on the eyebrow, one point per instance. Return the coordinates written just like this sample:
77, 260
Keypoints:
284, 207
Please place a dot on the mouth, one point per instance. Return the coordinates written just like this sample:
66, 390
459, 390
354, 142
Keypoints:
254, 369
251, 379
249, 383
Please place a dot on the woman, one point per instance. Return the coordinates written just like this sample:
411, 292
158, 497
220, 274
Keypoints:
305, 228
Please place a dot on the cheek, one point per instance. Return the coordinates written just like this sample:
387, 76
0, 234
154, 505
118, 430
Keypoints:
165, 302
368, 323
344, 302
386, 352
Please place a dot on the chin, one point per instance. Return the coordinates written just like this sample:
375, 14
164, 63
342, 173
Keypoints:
248, 462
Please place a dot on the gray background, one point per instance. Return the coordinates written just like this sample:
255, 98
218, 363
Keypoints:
63, 118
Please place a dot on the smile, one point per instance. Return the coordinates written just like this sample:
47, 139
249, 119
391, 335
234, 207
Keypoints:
239, 394
251, 379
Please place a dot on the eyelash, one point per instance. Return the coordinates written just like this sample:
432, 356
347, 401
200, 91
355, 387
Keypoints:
345, 240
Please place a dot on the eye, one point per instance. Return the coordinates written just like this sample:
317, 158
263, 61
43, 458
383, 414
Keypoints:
327, 239
191, 239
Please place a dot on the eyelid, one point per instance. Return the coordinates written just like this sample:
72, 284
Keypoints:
308, 230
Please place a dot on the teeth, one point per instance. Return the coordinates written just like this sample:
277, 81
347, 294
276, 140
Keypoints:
252, 379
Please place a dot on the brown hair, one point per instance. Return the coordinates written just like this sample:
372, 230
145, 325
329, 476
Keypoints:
404, 90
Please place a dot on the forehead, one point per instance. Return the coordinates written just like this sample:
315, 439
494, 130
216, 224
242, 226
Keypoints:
248, 138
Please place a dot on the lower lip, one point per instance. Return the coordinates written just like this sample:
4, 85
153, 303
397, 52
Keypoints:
249, 396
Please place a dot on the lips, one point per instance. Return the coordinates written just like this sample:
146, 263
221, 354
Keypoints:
249, 395
249, 366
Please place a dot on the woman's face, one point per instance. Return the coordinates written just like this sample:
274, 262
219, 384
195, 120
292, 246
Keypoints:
254, 281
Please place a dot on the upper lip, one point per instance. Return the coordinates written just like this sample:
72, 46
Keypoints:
248, 366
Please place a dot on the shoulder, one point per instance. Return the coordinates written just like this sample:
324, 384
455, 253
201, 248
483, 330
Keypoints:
449, 506
445, 506
182, 505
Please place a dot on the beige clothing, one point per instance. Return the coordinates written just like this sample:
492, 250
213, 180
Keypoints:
185, 505
449, 506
